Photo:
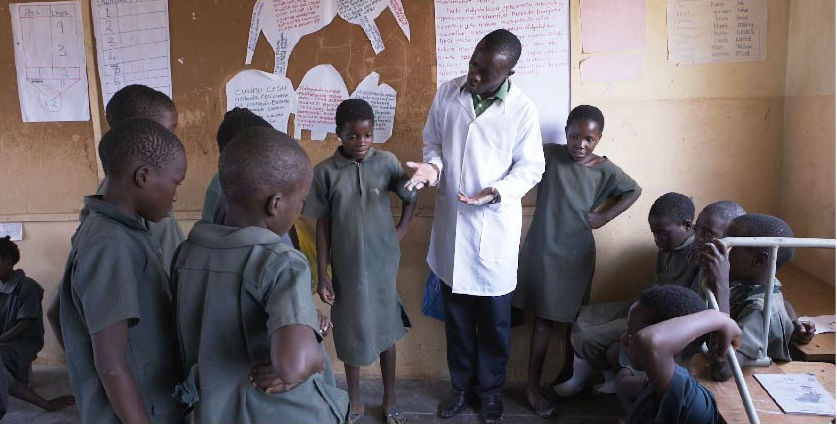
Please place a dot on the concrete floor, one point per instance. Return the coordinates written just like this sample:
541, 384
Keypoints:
417, 398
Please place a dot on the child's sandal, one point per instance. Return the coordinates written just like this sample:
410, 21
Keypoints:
394, 416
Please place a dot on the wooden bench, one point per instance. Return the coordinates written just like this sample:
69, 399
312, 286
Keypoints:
810, 297
729, 400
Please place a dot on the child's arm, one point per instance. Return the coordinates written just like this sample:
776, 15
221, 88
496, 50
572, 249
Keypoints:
407, 212
659, 343
324, 286
623, 202
714, 262
16, 330
54, 317
109, 352
295, 355
803, 331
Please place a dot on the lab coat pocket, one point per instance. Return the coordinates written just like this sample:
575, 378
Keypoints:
500, 234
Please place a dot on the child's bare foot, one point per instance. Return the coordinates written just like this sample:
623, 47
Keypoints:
394, 416
543, 407
356, 411
60, 402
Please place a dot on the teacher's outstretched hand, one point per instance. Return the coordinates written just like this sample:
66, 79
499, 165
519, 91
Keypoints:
425, 174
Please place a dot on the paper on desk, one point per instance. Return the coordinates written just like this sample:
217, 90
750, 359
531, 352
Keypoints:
798, 393
824, 323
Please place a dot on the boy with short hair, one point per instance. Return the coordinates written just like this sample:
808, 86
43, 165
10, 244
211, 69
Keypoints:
21, 332
739, 279
243, 297
596, 332
115, 309
665, 321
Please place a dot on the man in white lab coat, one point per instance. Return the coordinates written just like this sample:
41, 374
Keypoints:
483, 148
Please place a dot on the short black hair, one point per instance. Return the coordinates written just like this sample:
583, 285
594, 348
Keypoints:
674, 206
726, 210
502, 41
236, 120
352, 110
138, 141
668, 301
261, 158
137, 101
586, 113
763, 225
9, 250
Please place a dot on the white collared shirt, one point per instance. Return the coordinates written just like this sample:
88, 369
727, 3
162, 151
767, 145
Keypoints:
474, 249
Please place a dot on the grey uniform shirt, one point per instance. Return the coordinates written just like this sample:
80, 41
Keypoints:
115, 273
20, 299
233, 288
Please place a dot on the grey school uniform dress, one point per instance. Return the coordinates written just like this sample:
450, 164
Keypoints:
115, 273
559, 255
20, 299
233, 288
166, 232
367, 313
746, 303
600, 325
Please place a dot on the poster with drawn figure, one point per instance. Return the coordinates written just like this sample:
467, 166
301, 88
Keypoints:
318, 95
50, 61
284, 23
268, 95
364, 12
132, 44
543, 71
382, 99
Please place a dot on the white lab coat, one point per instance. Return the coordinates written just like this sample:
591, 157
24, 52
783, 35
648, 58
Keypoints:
474, 249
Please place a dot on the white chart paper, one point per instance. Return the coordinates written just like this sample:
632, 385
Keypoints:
543, 71
798, 393
701, 31
132, 44
284, 23
318, 95
50, 61
268, 95
364, 12
12, 229
382, 99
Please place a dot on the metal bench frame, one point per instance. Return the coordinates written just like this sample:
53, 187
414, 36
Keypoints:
774, 243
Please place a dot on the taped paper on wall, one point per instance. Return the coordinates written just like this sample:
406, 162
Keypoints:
132, 44
364, 12
716, 31
382, 99
318, 95
50, 61
268, 95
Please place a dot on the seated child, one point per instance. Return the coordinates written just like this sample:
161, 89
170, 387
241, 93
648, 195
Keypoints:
595, 334
242, 296
738, 278
115, 309
21, 332
665, 321
355, 232
576, 182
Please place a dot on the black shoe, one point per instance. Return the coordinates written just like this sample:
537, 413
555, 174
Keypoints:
491, 409
453, 405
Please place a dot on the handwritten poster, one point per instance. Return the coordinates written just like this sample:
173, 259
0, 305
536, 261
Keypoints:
608, 26
701, 31
284, 23
132, 44
382, 99
14, 230
268, 95
543, 72
364, 12
50, 61
318, 95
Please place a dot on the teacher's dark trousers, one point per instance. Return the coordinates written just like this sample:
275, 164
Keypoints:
477, 330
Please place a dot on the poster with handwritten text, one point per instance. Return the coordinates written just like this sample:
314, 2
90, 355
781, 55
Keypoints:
716, 31
543, 72
50, 61
132, 44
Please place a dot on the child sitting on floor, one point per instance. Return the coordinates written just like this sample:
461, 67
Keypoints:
21, 332
665, 321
